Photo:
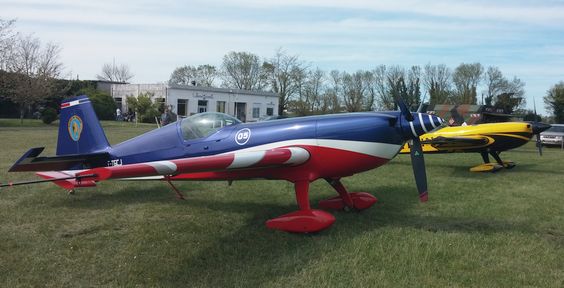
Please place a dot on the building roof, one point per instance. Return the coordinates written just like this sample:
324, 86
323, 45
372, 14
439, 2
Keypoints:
223, 90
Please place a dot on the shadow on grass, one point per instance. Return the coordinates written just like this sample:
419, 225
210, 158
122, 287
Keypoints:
535, 168
89, 198
463, 169
254, 256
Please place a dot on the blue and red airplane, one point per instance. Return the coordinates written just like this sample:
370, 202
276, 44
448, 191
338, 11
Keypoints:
216, 146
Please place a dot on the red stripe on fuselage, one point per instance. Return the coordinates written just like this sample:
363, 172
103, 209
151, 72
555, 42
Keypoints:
324, 163
133, 170
189, 165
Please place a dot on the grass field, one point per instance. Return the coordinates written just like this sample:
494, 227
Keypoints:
477, 230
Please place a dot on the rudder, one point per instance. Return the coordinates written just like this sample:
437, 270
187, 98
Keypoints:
80, 131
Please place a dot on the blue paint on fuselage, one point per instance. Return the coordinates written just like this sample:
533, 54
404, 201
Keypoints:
167, 142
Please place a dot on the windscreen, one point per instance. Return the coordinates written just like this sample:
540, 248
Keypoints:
556, 129
204, 124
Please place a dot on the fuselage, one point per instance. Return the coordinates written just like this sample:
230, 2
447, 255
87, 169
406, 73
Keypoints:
339, 145
491, 136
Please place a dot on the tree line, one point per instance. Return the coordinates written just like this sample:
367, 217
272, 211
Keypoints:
32, 78
28, 68
309, 90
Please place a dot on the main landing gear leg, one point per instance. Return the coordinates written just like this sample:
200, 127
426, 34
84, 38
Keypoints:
345, 200
179, 195
487, 166
306, 220
485, 157
506, 164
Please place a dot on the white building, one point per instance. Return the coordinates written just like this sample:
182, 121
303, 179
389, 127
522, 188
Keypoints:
248, 106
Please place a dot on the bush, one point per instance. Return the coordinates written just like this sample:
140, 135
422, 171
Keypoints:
145, 108
49, 115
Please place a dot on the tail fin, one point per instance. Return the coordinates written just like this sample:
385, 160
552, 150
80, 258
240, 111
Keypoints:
79, 129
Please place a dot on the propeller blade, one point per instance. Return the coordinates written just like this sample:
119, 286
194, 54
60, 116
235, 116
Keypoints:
404, 110
418, 164
412, 128
539, 144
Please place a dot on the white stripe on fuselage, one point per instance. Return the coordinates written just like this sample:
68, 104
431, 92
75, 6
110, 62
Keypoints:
381, 150
163, 167
246, 160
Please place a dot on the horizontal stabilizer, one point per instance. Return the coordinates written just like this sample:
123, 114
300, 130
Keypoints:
31, 162
66, 180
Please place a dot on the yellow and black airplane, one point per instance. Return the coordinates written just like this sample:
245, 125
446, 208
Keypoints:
486, 139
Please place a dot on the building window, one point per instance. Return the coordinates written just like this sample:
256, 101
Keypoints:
119, 103
182, 107
202, 106
256, 110
220, 106
269, 111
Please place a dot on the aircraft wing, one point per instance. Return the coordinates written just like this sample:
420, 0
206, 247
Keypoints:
451, 144
278, 157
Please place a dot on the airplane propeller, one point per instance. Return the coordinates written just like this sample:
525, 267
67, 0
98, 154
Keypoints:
538, 128
416, 151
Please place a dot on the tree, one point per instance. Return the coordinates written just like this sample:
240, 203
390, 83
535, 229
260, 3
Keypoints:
358, 94
310, 96
183, 75
396, 84
437, 82
7, 40
466, 78
554, 101
380, 84
203, 75
145, 109
286, 74
502, 93
113, 73
413, 85
334, 91
242, 70
531, 116
512, 97
32, 72
495, 83
207, 75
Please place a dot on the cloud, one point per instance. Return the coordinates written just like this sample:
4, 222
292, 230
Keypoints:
514, 11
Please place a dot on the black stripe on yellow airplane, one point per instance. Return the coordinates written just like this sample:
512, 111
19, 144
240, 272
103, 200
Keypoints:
487, 139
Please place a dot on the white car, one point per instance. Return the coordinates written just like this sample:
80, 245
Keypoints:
553, 136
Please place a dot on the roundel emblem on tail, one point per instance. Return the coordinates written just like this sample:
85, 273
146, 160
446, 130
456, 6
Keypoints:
75, 127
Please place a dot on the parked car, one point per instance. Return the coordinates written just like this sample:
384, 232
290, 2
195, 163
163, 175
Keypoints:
553, 136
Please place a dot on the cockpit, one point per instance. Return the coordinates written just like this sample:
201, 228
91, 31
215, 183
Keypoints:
204, 124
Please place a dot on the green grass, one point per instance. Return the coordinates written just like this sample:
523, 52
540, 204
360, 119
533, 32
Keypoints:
477, 230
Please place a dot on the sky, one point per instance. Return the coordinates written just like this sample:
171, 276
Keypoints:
524, 38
